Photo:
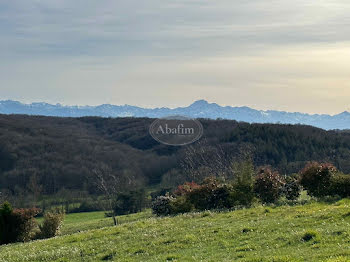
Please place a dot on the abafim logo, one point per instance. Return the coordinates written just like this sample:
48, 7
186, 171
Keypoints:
176, 130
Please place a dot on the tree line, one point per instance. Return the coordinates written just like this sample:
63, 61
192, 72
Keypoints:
48, 156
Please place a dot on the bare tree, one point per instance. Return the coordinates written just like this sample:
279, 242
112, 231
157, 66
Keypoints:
202, 160
34, 187
111, 183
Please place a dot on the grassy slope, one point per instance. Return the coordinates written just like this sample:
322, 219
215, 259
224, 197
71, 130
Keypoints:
256, 234
77, 222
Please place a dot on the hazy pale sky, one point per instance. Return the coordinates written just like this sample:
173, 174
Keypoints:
284, 55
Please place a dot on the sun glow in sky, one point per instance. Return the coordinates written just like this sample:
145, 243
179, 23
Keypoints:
283, 55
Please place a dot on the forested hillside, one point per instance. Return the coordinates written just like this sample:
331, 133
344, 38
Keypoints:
48, 154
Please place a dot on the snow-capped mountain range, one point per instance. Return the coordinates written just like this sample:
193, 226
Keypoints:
199, 109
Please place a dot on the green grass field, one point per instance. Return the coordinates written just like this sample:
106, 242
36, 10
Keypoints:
79, 222
255, 234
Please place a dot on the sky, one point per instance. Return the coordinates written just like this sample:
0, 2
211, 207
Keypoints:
278, 55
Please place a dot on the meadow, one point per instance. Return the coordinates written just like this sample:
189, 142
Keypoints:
312, 232
77, 222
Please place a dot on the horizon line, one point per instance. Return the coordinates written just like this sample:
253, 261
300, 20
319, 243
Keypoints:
171, 108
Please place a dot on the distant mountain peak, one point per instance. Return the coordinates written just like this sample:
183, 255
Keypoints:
345, 113
200, 102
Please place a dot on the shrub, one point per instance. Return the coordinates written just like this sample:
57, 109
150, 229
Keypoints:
186, 188
222, 197
202, 197
268, 185
241, 195
51, 225
161, 206
292, 188
23, 223
130, 202
243, 184
212, 195
180, 205
16, 224
5, 216
316, 178
160, 192
340, 185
